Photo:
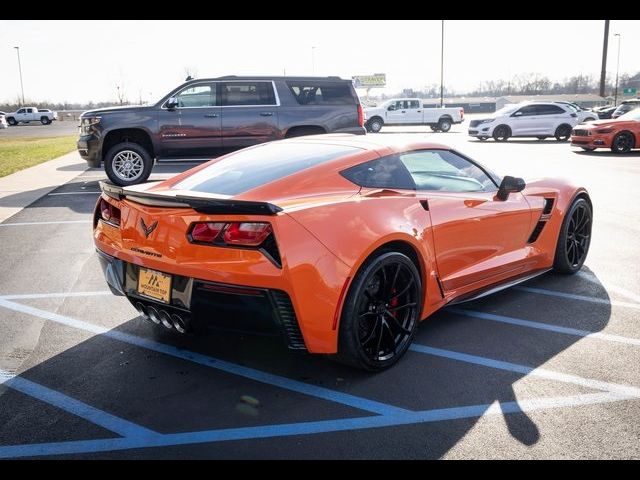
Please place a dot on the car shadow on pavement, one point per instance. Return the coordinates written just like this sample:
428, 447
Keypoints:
169, 394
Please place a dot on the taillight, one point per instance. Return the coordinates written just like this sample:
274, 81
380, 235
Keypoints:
206, 231
247, 234
109, 213
360, 116
461, 113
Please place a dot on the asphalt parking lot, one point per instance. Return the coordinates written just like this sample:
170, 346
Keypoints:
548, 369
36, 129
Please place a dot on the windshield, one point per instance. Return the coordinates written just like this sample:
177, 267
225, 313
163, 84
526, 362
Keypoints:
632, 115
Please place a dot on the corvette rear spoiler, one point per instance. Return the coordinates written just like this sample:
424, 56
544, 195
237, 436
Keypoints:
199, 204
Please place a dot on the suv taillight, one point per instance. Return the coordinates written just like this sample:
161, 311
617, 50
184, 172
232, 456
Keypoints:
109, 213
461, 113
360, 116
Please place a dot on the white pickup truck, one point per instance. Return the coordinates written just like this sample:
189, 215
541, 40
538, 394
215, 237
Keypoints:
410, 111
31, 114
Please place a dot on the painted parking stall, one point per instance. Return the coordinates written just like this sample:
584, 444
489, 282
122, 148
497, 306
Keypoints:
530, 362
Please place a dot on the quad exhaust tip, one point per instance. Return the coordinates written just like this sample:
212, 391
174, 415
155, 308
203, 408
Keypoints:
168, 320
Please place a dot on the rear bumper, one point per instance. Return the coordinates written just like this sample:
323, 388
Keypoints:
206, 305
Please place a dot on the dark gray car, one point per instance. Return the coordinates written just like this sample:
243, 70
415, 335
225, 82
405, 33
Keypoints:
203, 117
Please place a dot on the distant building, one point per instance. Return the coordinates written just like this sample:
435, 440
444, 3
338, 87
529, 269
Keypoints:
586, 100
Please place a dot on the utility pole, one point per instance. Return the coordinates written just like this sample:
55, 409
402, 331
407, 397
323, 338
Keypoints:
603, 71
442, 67
20, 70
615, 94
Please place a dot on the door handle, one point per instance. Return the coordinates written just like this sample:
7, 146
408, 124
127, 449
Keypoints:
419, 111
211, 115
266, 114
403, 111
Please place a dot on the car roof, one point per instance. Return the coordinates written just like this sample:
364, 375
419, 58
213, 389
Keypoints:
268, 77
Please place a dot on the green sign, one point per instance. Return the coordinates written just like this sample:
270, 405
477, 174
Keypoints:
629, 92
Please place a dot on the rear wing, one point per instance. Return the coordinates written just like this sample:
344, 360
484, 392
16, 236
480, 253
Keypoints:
199, 204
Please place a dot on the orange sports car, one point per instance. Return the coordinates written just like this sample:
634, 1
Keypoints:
621, 134
341, 244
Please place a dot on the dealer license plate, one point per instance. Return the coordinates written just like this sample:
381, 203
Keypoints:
153, 284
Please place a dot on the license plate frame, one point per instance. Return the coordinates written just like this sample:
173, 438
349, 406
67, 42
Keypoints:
154, 285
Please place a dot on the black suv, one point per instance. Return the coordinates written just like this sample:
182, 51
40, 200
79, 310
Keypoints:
201, 117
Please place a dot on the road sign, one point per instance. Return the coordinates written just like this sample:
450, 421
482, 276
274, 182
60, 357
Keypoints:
629, 92
370, 81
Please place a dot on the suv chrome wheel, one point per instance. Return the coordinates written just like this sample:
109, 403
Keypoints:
128, 165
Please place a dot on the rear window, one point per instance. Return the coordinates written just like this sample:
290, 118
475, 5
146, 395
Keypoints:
317, 93
254, 167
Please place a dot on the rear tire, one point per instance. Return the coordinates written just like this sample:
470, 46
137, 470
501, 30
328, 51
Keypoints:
128, 163
444, 124
433, 128
381, 312
501, 133
574, 238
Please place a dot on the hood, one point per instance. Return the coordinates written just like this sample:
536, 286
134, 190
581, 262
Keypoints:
613, 122
123, 109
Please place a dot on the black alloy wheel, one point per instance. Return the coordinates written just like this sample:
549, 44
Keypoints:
501, 133
381, 312
575, 238
563, 132
623, 143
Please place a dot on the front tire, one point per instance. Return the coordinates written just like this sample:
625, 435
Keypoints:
501, 133
45, 121
541, 138
563, 132
12, 121
127, 164
623, 143
381, 312
574, 238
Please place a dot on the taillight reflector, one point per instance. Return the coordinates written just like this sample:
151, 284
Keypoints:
250, 234
109, 213
360, 116
206, 231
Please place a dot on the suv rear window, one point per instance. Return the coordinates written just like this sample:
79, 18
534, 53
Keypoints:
321, 93
255, 167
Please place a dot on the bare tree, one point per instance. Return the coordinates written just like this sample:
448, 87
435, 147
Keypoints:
190, 71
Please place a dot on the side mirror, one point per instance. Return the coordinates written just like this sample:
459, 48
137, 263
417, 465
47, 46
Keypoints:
510, 185
171, 103
391, 108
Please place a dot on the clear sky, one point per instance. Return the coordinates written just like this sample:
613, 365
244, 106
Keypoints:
79, 61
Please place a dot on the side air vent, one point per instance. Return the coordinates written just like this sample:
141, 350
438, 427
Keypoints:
548, 205
536, 231
288, 320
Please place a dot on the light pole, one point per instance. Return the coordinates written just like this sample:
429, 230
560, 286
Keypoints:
20, 70
313, 60
615, 93
442, 67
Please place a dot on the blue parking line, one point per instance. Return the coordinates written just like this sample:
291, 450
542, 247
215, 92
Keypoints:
573, 296
76, 407
305, 428
228, 367
545, 326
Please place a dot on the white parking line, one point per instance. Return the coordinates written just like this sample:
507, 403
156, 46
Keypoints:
608, 286
31, 296
61, 222
72, 193
573, 296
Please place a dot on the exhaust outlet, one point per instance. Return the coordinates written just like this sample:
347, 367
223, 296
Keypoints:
179, 323
165, 318
154, 315
142, 311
